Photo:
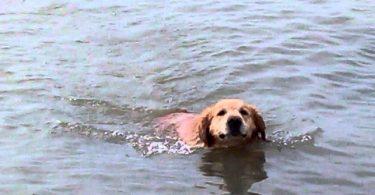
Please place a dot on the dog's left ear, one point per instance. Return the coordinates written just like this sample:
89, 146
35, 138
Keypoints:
259, 123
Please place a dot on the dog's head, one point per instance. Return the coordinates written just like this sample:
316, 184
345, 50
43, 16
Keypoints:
230, 122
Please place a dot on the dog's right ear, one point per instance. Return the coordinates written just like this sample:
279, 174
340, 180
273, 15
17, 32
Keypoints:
203, 127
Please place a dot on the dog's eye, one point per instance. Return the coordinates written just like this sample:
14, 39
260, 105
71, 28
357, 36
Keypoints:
244, 112
222, 113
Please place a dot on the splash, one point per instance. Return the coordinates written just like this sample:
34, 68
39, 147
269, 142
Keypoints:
152, 144
147, 144
283, 138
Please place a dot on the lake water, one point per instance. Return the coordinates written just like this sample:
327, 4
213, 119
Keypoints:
81, 82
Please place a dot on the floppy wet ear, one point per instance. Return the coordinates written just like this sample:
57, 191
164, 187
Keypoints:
259, 123
203, 127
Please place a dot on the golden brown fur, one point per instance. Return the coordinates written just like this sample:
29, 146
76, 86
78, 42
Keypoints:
229, 122
213, 123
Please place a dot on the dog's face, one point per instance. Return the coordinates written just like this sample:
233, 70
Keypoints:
230, 122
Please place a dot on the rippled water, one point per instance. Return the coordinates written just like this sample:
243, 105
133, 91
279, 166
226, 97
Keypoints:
77, 79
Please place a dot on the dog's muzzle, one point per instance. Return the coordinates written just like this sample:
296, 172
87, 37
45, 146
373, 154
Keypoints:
234, 125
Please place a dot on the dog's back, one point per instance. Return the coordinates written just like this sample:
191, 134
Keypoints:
180, 123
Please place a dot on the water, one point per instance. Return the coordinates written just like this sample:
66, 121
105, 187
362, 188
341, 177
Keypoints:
76, 79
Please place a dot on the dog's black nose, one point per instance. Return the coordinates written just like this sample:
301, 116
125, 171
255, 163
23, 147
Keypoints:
234, 125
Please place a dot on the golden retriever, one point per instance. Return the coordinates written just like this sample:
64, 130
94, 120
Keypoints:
229, 122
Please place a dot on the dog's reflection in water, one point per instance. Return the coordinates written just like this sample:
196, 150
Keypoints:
240, 168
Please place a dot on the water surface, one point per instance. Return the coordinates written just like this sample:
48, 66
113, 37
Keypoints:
92, 66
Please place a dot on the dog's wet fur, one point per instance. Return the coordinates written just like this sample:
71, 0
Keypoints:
229, 122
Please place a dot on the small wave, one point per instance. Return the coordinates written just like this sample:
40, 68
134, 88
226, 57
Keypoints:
149, 144
146, 144
283, 138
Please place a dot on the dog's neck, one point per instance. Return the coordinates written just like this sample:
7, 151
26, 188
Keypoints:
188, 131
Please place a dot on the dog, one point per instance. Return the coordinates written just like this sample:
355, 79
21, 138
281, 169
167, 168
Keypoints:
229, 122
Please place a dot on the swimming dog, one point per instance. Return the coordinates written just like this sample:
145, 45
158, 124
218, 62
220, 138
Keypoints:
229, 122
